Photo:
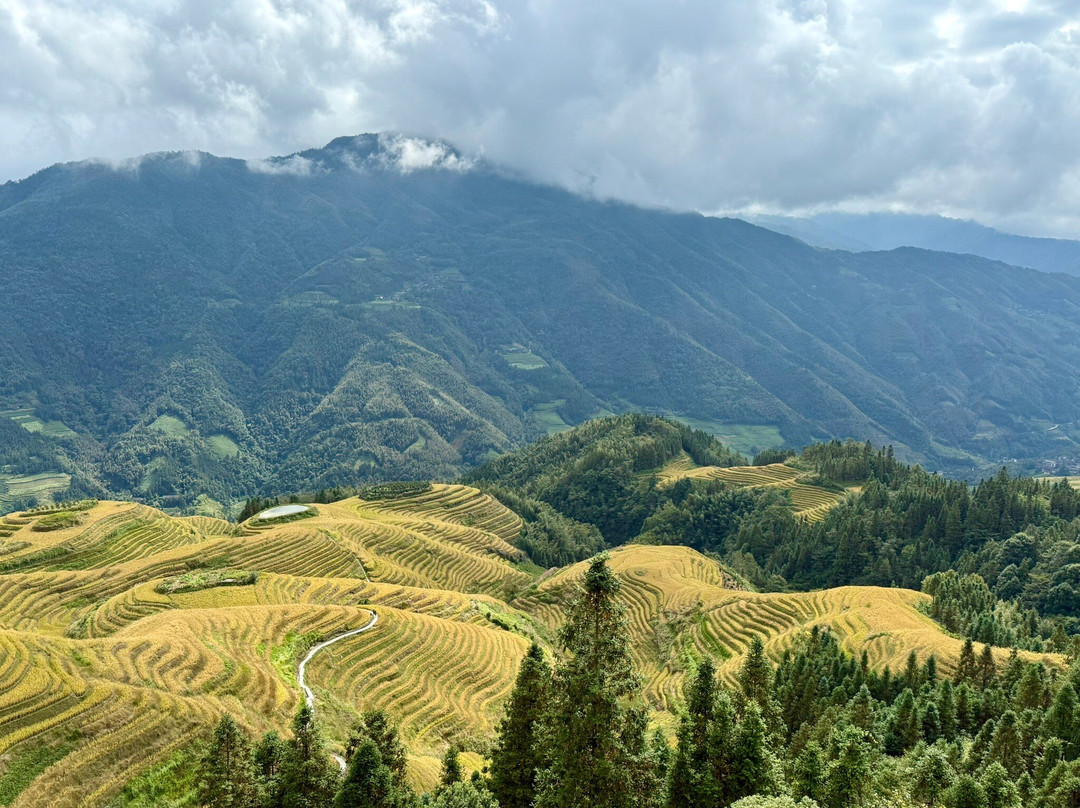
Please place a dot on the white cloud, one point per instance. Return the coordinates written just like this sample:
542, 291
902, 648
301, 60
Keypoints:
408, 154
961, 107
295, 165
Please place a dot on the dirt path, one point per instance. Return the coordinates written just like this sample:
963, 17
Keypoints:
309, 696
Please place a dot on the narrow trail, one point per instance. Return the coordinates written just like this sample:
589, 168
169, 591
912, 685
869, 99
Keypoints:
309, 696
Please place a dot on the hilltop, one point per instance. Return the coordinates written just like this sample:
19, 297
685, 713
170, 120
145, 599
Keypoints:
127, 632
183, 326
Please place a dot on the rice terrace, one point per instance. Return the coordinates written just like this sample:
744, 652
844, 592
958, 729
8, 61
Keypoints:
125, 633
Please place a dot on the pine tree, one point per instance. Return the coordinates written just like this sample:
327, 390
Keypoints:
1061, 720
451, 768
1006, 745
946, 704
368, 781
307, 777
967, 668
591, 730
911, 672
517, 755
810, 773
1000, 791
755, 675
465, 795
755, 768
848, 775
933, 776
228, 778
967, 793
267, 757
987, 668
690, 783
376, 725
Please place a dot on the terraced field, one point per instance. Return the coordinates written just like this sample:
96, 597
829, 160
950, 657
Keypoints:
809, 502
125, 636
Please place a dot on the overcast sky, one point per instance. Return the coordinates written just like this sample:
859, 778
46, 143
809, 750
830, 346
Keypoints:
964, 108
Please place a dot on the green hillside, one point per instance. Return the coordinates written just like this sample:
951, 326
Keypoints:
212, 328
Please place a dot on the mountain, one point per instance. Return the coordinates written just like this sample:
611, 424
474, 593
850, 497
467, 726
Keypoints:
887, 231
183, 326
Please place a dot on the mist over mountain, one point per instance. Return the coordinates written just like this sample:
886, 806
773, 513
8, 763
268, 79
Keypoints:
384, 307
887, 231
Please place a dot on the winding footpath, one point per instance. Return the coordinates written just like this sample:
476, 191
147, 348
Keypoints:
309, 696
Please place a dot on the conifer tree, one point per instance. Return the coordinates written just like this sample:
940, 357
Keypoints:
848, 775
967, 793
967, 668
376, 725
451, 768
932, 776
464, 795
307, 777
228, 778
1000, 791
691, 781
517, 755
987, 668
1061, 720
368, 781
591, 730
755, 768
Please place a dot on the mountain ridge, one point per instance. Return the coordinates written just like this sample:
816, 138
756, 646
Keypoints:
207, 327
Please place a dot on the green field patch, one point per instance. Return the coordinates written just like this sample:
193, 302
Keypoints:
22, 770
197, 580
38, 486
381, 304
56, 521
549, 418
170, 425
223, 446
31, 423
744, 438
521, 358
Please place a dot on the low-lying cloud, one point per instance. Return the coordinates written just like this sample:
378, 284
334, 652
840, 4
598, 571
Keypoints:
968, 108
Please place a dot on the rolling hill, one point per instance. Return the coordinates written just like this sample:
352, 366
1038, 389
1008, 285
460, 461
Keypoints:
125, 633
183, 326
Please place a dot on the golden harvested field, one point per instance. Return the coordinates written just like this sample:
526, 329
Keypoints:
124, 637
809, 502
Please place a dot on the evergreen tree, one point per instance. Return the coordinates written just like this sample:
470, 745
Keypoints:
368, 781
228, 778
755, 675
307, 776
376, 726
451, 768
1061, 719
849, 773
691, 781
810, 773
517, 755
966, 793
987, 668
1000, 791
593, 728
465, 795
755, 767
967, 668
932, 776
268, 754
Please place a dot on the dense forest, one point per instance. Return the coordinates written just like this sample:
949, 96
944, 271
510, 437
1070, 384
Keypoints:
817, 729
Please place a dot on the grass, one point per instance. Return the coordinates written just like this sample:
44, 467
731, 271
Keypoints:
31, 423
26, 766
40, 486
521, 358
206, 579
170, 425
170, 784
223, 446
745, 438
548, 418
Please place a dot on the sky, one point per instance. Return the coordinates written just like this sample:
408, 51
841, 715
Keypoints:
968, 109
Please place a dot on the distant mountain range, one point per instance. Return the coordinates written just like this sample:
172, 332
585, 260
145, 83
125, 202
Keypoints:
887, 231
183, 325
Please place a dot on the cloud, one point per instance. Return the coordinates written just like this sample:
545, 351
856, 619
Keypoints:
294, 165
408, 154
962, 107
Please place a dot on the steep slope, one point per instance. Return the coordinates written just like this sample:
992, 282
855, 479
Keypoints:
125, 637
187, 324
